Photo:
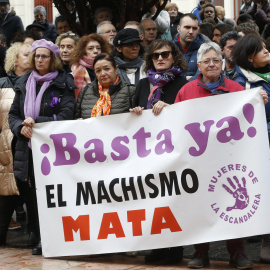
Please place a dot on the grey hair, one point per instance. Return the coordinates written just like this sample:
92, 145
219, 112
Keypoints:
101, 9
98, 26
40, 8
206, 47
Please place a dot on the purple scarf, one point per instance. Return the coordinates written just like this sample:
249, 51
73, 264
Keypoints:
158, 80
33, 101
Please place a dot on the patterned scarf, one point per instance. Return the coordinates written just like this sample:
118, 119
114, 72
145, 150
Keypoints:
158, 80
103, 105
81, 76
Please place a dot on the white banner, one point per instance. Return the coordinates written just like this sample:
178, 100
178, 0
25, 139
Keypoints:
198, 172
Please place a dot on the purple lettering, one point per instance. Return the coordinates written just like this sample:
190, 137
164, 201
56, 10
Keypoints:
121, 149
165, 145
140, 136
95, 154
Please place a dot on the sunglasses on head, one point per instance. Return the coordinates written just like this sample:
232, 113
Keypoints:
164, 55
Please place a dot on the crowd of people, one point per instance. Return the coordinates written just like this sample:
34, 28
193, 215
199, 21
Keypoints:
49, 73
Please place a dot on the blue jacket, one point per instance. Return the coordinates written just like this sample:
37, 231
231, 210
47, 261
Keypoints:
249, 80
196, 11
191, 55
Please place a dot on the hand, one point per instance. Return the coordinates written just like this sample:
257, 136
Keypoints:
27, 132
138, 110
264, 96
158, 107
29, 122
238, 192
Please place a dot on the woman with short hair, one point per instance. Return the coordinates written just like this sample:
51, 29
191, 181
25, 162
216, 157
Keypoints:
42, 95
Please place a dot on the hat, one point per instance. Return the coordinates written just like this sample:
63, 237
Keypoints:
43, 43
4, 1
125, 36
30, 26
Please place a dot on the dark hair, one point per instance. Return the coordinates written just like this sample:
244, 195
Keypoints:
21, 36
204, 7
105, 56
210, 20
244, 18
179, 60
223, 28
60, 19
207, 30
79, 50
248, 45
3, 37
229, 35
190, 15
247, 25
267, 43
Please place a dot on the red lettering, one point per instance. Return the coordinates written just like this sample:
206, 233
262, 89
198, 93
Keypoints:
136, 217
82, 223
170, 221
106, 229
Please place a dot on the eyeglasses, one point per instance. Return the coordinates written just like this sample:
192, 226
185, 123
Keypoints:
208, 61
164, 55
109, 31
42, 56
39, 16
68, 35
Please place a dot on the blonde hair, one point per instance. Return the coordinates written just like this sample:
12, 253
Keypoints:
221, 9
12, 55
171, 5
55, 63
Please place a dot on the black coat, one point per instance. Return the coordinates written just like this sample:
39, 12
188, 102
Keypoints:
63, 88
50, 32
168, 95
11, 25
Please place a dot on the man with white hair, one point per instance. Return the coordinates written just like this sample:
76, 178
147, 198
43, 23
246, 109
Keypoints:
107, 30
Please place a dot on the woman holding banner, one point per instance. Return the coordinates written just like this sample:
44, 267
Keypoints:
108, 94
43, 95
164, 66
212, 82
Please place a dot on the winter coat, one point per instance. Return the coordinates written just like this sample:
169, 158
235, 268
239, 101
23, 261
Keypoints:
7, 180
11, 25
50, 32
261, 17
121, 93
191, 55
246, 6
249, 80
168, 94
196, 11
173, 25
62, 88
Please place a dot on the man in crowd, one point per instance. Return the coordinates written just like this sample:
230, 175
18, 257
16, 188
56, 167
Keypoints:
197, 9
150, 31
9, 22
62, 25
220, 30
108, 31
188, 40
226, 44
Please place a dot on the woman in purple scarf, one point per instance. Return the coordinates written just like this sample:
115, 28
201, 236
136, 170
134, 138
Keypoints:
42, 95
164, 66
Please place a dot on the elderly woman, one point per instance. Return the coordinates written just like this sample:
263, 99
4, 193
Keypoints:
43, 95
16, 65
102, 14
209, 11
108, 94
175, 15
221, 15
127, 55
212, 82
40, 18
164, 67
67, 43
83, 57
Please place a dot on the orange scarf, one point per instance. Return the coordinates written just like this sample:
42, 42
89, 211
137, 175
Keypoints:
103, 105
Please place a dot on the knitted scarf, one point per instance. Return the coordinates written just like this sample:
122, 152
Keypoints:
33, 101
103, 105
158, 80
123, 65
81, 76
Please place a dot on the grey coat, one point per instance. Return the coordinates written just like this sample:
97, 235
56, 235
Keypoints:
121, 93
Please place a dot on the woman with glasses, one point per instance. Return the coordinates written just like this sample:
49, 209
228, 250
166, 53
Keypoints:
209, 12
83, 57
164, 68
42, 95
66, 43
209, 83
40, 18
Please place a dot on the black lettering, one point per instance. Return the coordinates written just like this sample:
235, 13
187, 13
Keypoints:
169, 183
194, 178
50, 196
85, 193
112, 191
155, 192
